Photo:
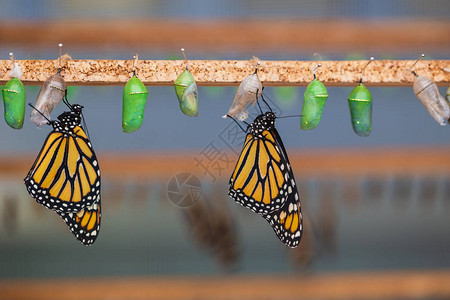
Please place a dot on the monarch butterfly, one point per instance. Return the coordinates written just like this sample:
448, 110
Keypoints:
263, 180
85, 225
65, 176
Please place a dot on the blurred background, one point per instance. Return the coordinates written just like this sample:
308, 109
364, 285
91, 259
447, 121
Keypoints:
376, 208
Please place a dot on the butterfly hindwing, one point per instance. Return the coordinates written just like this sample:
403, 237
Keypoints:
65, 176
85, 224
287, 222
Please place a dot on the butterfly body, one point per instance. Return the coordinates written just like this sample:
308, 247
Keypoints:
263, 180
65, 176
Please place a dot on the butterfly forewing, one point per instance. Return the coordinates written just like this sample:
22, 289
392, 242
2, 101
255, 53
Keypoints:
65, 176
259, 181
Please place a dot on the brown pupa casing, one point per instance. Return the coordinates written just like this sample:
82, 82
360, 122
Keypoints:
248, 92
52, 92
428, 93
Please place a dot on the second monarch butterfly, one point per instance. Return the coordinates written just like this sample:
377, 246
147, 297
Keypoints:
65, 176
263, 180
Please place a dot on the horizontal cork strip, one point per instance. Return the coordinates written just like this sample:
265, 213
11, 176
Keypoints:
230, 72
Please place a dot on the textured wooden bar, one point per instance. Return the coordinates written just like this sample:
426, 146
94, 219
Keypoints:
230, 72
423, 284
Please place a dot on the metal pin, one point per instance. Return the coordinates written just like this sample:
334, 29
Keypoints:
135, 61
362, 72
185, 59
59, 58
315, 69
417, 60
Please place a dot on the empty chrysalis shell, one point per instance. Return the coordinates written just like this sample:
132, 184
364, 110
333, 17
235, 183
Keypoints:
448, 95
52, 92
428, 93
14, 102
134, 98
186, 90
360, 104
313, 103
249, 91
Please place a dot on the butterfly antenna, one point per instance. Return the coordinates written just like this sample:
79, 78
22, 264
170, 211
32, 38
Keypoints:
291, 116
66, 101
244, 130
262, 97
49, 121
85, 126
257, 90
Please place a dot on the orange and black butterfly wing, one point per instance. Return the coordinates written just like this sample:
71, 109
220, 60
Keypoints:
65, 176
261, 180
85, 224
287, 222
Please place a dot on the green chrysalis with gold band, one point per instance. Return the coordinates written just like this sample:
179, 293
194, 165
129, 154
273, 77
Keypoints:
134, 98
14, 102
313, 103
360, 104
186, 90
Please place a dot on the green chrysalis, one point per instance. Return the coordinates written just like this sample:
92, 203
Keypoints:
313, 103
134, 97
360, 104
186, 90
14, 102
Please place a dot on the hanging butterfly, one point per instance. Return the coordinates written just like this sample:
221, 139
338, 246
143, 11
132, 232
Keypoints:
263, 180
65, 176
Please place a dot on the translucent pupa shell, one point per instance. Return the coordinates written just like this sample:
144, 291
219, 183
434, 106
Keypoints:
428, 93
52, 92
14, 102
313, 103
360, 104
134, 98
186, 90
249, 91
448, 95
